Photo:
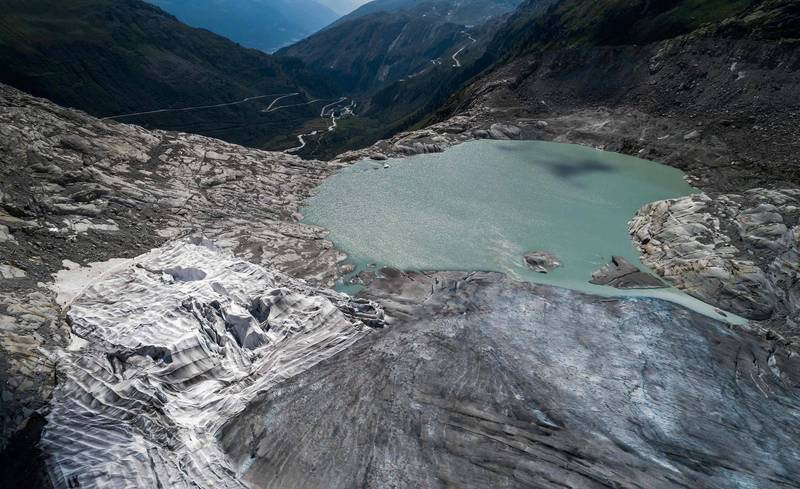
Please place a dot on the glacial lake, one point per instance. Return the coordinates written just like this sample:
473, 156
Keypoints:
482, 205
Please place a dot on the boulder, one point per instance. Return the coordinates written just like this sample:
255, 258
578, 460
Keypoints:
542, 261
418, 147
504, 131
692, 135
76, 143
5, 234
10, 271
622, 274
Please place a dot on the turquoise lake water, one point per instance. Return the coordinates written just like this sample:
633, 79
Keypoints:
482, 205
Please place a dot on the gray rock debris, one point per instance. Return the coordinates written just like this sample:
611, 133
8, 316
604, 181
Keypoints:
5, 234
735, 251
128, 189
484, 382
691, 135
622, 274
504, 131
28, 321
542, 261
11, 272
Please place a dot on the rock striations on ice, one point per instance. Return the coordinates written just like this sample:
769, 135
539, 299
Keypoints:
485, 382
176, 343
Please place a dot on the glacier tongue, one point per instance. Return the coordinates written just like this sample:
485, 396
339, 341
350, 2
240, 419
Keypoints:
177, 343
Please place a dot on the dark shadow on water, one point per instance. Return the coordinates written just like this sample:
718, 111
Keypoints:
562, 166
577, 168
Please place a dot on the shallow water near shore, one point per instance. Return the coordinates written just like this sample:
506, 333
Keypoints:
483, 204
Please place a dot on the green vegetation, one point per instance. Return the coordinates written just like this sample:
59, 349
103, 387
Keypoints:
111, 57
641, 21
613, 22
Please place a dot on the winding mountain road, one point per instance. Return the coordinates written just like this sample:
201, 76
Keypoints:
327, 111
456, 62
303, 143
272, 107
325, 108
202, 107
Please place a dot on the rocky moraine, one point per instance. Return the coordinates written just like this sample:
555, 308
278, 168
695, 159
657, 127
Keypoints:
167, 320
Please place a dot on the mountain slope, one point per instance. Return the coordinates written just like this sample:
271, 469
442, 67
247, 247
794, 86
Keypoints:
469, 12
73, 187
112, 57
387, 40
399, 63
262, 24
204, 365
618, 22
342, 7
380, 48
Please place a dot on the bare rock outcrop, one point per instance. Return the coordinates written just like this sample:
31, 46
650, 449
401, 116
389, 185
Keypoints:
542, 261
735, 251
622, 274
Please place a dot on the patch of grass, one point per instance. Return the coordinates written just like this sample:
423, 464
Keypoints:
687, 16
612, 22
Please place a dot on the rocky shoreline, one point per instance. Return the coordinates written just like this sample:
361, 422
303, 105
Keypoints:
737, 251
720, 108
731, 250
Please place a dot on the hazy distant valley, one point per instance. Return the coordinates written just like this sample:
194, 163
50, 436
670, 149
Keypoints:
267, 26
